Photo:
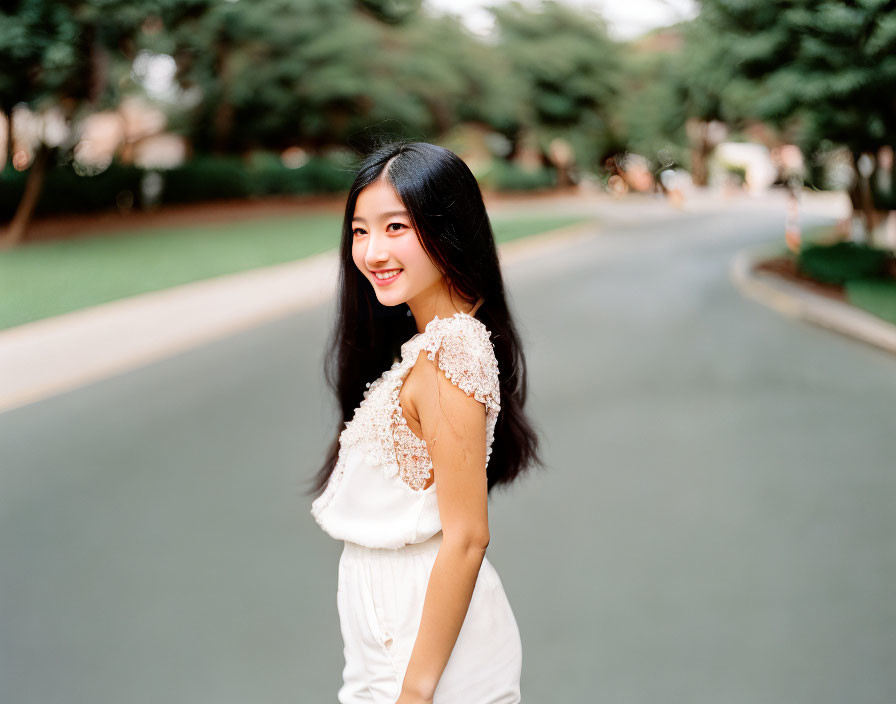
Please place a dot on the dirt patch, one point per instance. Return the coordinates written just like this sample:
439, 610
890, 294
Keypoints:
786, 268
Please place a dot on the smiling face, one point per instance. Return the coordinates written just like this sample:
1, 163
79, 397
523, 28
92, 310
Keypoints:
385, 243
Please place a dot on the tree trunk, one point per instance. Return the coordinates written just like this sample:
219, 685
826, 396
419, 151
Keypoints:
855, 204
700, 155
18, 226
860, 196
867, 209
223, 119
7, 158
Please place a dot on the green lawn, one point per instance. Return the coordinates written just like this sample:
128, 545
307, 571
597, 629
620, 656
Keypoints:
49, 278
876, 296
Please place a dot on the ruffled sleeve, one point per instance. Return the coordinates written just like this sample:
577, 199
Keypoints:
462, 348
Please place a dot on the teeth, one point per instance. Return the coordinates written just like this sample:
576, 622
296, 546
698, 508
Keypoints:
386, 274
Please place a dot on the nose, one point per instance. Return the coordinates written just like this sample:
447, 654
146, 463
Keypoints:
377, 254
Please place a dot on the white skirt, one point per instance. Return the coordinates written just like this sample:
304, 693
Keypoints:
380, 602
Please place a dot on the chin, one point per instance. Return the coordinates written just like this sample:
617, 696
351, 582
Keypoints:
391, 301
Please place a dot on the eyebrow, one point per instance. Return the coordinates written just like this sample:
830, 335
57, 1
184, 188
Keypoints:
390, 214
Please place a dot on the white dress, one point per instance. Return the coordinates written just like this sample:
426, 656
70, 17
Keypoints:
376, 503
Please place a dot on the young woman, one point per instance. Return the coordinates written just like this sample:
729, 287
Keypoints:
423, 614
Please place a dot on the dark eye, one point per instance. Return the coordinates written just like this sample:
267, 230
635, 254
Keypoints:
357, 230
396, 223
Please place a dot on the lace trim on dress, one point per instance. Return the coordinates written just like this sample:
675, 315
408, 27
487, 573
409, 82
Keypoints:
467, 356
462, 348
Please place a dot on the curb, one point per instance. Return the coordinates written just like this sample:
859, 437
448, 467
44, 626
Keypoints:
796, 302
59, 354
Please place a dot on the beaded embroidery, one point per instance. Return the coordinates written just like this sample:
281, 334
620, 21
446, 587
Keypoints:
463, 351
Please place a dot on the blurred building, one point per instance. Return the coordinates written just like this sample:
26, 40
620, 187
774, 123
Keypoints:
134, 133
753, 161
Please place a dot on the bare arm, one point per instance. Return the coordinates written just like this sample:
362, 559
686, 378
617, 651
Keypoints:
453, 426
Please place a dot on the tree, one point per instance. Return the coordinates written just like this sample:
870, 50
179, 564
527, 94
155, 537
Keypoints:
65, 54
651, 112
568, 69
317, 73
826, 66
681, 80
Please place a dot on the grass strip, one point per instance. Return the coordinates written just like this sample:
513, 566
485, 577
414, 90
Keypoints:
876, 296
44, 279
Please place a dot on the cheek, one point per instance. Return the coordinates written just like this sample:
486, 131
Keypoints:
416, 261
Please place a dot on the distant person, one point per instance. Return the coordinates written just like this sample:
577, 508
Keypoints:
423, 613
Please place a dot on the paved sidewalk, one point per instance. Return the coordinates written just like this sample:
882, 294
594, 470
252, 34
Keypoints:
58, 354
798, 302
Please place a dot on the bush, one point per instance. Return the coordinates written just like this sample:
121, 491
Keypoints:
268, 175
843, 261
206, 178
64, 191
12, 185
319, 175
506, 176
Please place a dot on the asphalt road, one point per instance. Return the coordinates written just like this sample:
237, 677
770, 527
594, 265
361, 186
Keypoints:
716, 524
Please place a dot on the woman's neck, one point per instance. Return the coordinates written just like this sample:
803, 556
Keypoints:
443, 307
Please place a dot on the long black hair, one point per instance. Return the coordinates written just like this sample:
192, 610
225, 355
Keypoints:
447, 212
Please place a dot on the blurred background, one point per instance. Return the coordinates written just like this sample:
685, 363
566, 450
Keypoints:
691, 198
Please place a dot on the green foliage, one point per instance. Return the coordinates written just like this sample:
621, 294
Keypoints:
674, 75
707, 75
393, 11
568, 69
65, 191
505, 175
877, 296
843, 261
651, 111
276, 73
66, 53
821, 66
270, 74
206, 178
268, 175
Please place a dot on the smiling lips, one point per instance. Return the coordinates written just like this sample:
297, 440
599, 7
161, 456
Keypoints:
383, 278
